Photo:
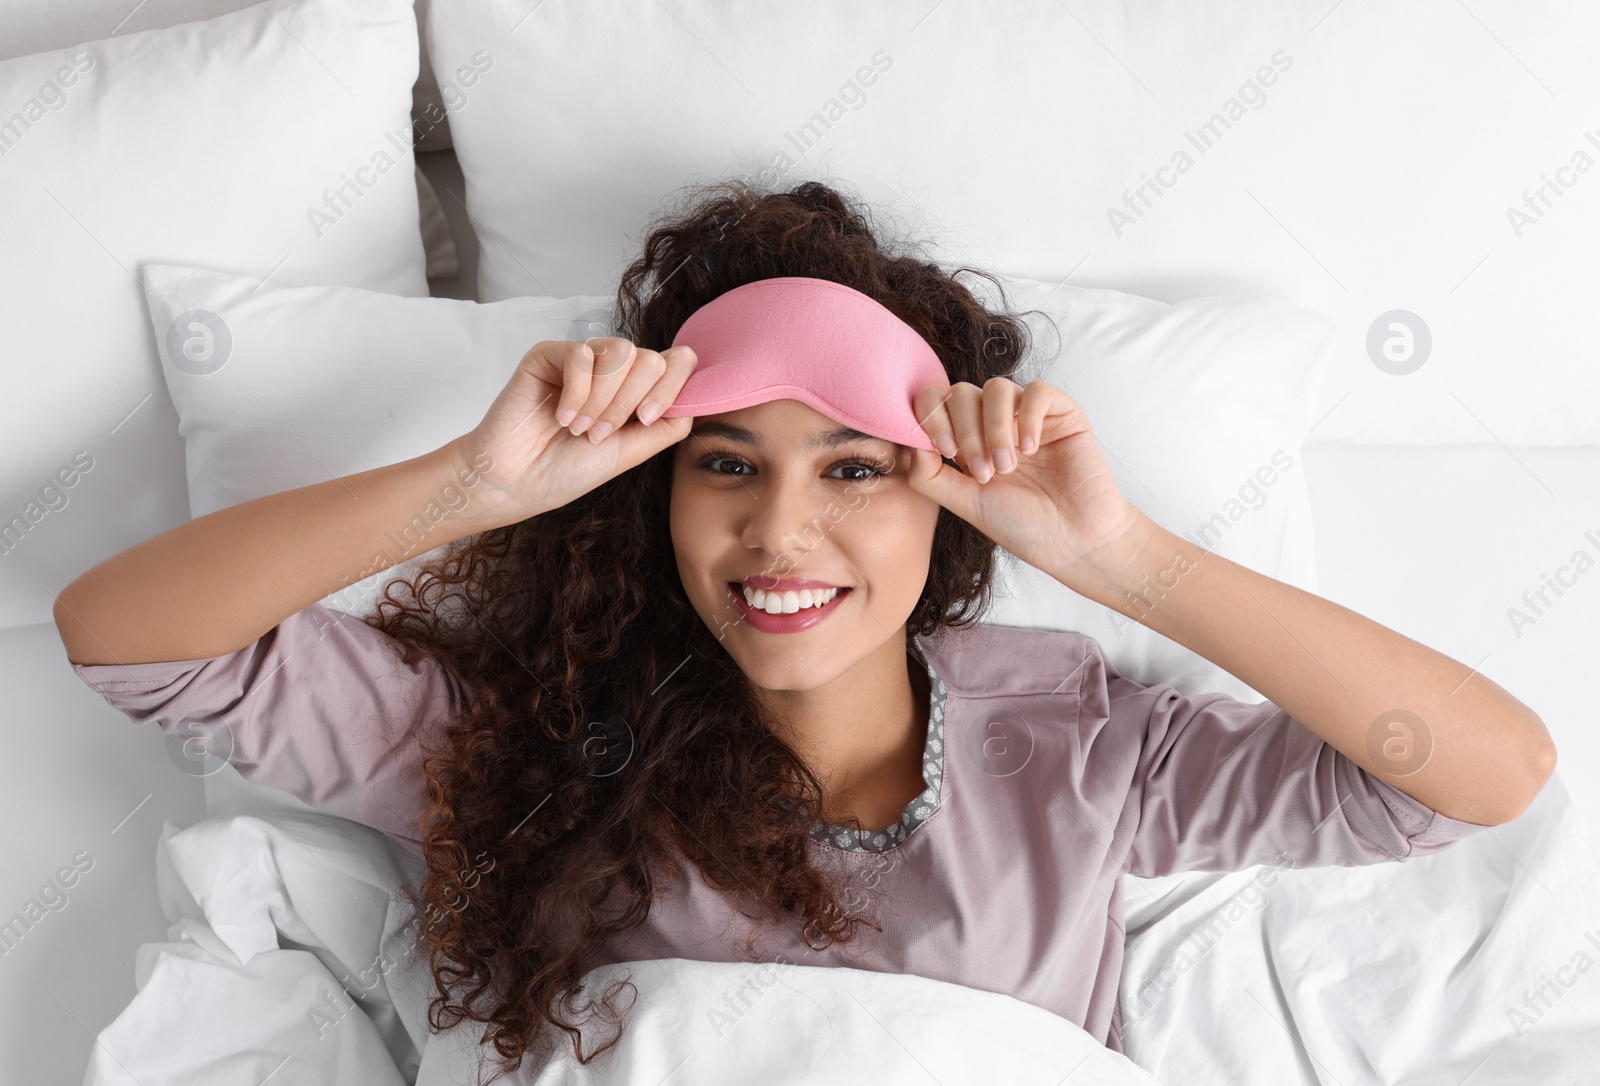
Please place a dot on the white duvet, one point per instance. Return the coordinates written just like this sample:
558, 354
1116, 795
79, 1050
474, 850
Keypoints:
286, 962
1482, 960
278, 920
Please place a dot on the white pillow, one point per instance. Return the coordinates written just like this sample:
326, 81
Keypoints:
1188, 400
1305, 150
212, 143
32, 26
1201, 409
38, 26
321, 382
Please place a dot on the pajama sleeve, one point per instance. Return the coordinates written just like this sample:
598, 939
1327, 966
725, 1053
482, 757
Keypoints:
319, 706
1219, 784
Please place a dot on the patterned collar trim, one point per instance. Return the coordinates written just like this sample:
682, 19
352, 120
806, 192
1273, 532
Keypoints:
920, 809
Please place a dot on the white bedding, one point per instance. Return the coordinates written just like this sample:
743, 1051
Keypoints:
1415, 972
278, 919
1411, 972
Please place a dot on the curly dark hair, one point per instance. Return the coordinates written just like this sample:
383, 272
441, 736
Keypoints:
538, 847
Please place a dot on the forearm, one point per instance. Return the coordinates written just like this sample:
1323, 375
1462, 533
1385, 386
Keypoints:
216, 583
1479, 754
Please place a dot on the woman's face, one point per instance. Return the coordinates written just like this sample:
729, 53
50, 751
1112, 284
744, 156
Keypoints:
779, 493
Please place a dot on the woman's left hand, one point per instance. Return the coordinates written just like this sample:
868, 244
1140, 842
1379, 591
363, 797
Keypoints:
1035, 479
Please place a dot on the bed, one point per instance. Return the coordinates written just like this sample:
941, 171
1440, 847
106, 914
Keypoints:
1397, 193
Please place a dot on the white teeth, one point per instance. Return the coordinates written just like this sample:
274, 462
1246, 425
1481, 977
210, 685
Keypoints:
787, 603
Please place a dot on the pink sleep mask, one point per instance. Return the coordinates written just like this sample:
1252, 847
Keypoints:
825, 344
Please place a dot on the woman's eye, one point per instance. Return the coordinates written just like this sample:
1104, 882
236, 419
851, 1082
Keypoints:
712, 462
870, 469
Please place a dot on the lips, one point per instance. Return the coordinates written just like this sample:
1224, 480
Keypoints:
787, 621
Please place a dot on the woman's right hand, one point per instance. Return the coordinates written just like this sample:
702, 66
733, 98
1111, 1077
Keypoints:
527, 457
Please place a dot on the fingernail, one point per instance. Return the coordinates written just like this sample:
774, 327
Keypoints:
947, 445
981, 470
581, 424
565, 417
649, 411
1028, 444
1004, 461
601, 429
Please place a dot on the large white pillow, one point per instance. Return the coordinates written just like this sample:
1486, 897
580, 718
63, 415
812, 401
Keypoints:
1310, 150
321, 382
212, 143
37, 26
1190, 401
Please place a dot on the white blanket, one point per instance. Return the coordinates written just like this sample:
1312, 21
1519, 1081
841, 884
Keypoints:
1481, 961
279, 920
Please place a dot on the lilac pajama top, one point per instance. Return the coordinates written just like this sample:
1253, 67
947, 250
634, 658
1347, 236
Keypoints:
1048, 774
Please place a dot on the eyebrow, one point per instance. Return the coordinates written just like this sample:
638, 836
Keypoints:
824, 439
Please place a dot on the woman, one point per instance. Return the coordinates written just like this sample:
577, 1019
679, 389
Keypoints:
633, 753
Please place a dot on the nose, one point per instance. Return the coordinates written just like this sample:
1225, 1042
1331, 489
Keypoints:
786, 516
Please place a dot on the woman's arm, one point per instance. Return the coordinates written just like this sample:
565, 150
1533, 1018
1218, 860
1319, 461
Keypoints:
1471, 751
217, 583
1035, 481
221, 581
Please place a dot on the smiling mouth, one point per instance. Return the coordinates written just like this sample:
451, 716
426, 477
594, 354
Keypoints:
785, 603
785, 612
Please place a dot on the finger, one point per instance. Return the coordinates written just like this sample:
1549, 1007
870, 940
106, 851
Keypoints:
613, 356
577, 362
637, 442
1000, 422
538, 380
929, 404
933, 478
966, 420
643, 371
1064, 417
1031, 411
545, 360
681, 362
